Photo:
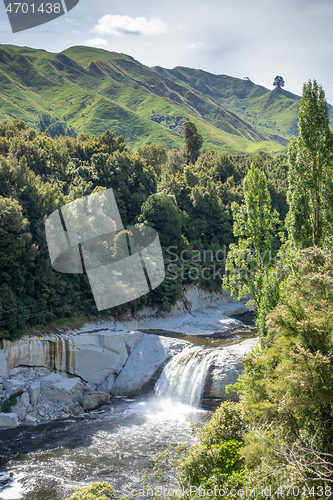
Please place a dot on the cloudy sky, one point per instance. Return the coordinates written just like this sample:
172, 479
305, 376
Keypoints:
255, 38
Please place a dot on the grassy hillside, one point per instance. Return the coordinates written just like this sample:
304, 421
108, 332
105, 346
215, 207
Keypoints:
93, 89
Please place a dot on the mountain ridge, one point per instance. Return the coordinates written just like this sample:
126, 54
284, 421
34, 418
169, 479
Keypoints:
94, 89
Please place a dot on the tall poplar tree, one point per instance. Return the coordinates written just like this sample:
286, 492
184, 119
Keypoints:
310, 192
255, 224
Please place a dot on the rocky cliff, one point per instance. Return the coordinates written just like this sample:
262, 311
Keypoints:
57, 374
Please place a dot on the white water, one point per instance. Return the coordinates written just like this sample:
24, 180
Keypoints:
49, 461
184, 377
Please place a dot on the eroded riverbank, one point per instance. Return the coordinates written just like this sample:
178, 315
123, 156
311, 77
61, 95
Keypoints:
47, 461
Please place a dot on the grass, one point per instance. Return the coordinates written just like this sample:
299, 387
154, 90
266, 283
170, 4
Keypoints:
93, 89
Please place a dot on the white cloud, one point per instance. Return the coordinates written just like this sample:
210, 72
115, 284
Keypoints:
116, 25
196, 45
96, 42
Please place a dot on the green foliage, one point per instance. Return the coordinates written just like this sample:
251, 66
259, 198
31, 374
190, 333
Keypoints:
7, 404
210, 465
217, 454
278, 82
161, 212
287, 387
214, 461
255, 223
95, 491
226, 424
310, 192
13, 235
91, 90
53, 126
189, 205
155, 155
192, 141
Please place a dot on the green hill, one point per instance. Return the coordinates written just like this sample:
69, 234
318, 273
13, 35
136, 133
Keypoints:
93, 89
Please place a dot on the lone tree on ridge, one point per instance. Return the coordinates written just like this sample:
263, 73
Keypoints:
278, 82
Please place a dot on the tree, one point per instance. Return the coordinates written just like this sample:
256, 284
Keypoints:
54, 126
310, 191
193, 141
289, 385
161, 212
155, 155
278, 82
255, 224
14, 237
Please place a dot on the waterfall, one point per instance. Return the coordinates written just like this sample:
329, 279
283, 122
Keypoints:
183, 378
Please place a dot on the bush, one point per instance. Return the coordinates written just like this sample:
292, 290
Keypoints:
9, 402
95, 491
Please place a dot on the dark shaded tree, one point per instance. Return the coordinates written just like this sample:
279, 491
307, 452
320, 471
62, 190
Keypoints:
192, 141
54, 126
278, 82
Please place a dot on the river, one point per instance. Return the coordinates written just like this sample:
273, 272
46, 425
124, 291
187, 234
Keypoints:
48, 461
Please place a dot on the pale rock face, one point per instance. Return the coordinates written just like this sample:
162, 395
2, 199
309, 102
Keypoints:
227, 367
198, 298
20, 410
3, 363
34, 391
22, 406
146, 359
59, 388
98, 356
9, 420
90, 356
25, 399
13, 385
107, 384
30, 419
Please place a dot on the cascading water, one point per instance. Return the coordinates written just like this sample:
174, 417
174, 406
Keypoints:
184, 377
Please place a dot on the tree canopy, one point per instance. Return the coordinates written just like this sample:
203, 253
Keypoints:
187, 200
310, 191
278, 82
255, 225
193, 141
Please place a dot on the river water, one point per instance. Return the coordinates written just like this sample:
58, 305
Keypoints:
48, 461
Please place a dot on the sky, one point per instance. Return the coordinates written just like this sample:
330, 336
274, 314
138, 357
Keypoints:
258, 39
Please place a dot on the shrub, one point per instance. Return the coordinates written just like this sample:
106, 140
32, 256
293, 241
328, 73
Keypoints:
95, 491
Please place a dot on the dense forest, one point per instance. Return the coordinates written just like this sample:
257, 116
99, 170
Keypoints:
186, 195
